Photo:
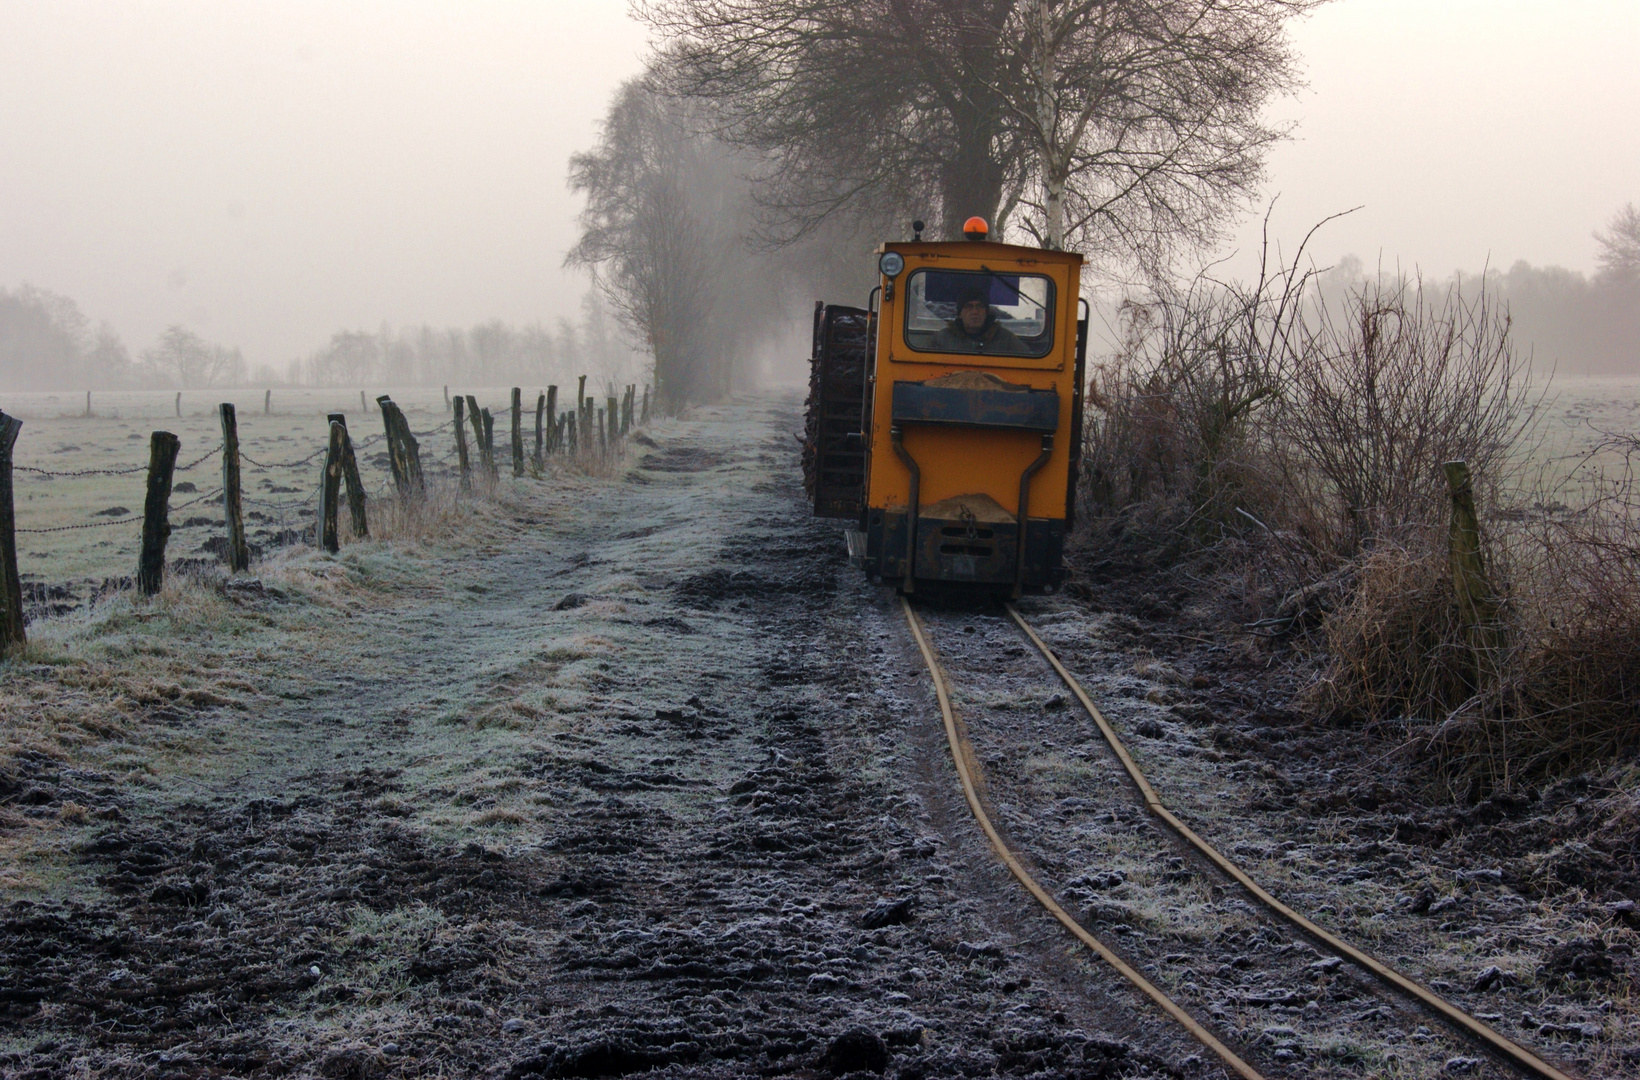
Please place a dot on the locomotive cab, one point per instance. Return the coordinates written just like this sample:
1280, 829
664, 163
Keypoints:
945, 417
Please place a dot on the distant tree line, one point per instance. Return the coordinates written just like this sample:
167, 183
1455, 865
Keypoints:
47, 343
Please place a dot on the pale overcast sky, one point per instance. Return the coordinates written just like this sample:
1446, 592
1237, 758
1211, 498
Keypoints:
268, 172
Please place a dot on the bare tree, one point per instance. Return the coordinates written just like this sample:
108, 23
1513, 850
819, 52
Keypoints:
878, 107
184, 359
664, 235
1619, 256
1121, 124
1142, 117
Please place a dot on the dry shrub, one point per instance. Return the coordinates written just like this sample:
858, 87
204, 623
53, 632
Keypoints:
1305, 436
1397, 647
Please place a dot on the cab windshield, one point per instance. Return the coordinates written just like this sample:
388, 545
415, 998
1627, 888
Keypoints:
979, 311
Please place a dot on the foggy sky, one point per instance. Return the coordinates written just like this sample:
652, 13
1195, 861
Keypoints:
266, 173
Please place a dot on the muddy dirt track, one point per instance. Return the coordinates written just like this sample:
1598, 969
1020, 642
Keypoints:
639, 779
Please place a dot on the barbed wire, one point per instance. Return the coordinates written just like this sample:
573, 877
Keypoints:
280, 505
282, 464
115, 472
126, 520
86, 525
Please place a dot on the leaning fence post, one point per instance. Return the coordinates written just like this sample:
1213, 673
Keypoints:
459, 403
644, 419
364, 406
489, 445
156, 525
330, 491
233, 510
179, 402
11, 584
395, 456
355, 483
552, 418
518, 431
475, 417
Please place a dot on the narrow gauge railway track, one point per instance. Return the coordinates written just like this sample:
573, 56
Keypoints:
1138, 950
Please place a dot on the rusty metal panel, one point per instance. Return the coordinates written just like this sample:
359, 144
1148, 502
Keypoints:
1021, 410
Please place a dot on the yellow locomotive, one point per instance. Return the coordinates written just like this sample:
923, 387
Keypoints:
945, 416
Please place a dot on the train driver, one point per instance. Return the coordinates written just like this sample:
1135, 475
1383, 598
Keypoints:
976, 330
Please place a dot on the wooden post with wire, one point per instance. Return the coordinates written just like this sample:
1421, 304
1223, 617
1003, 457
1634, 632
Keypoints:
12, 634
395, 456
540, 435
355, 483
518, 431
459, 403
330, 491
644, 417
581, 394
156, 524
614, 415
402, 450
552, 418
572, 442
233, 507
489, 444
475, 417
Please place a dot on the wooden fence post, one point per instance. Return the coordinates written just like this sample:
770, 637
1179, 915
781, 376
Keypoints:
402, 449
364, 406
267, 402
1477, 602
330, 491
644, 419
395, 457
518, 431
355, 483
614, 415
447, 397
156, 525
569, 428
11, 585
489, 444
581, 394
233, 509
603, 434
459, 403
552, 418
88, 404
179, 402
475, 417
540, 419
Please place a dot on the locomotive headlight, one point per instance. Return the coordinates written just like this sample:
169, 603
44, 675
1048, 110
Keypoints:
891, 264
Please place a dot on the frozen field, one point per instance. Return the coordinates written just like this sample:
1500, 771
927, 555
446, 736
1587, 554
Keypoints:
104, 509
